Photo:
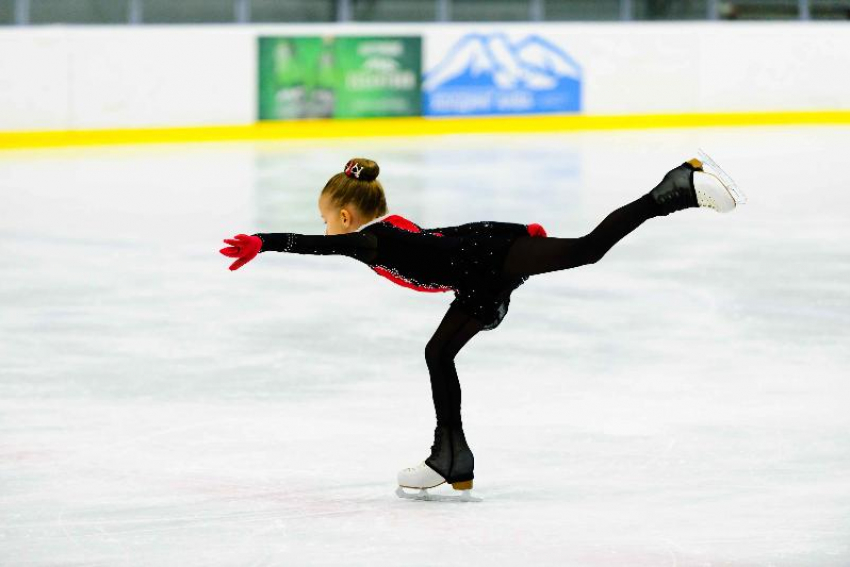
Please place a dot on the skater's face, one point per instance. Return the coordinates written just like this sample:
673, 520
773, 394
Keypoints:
339, 220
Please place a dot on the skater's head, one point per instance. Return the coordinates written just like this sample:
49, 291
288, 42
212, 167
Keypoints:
352, 197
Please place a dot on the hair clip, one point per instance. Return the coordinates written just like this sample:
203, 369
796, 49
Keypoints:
353, 169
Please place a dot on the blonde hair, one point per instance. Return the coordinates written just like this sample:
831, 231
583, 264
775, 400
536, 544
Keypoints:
358, 185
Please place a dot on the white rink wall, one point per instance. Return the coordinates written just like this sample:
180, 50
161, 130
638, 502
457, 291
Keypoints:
67, 78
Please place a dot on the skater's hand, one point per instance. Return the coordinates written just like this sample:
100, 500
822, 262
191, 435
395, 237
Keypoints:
243, 247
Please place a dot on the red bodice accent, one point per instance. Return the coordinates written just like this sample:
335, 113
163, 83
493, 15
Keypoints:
404, 224
401, 222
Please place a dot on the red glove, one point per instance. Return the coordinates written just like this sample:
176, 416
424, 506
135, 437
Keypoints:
243, 247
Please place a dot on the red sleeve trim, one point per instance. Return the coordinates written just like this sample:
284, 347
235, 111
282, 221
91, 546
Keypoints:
535, 229
402, 223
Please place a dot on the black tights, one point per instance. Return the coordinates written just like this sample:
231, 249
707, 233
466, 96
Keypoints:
527, 256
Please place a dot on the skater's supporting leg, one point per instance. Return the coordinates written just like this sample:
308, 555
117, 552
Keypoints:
450, 456
451, 335
529, 256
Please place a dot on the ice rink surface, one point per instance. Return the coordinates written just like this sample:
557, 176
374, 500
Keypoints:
683, 402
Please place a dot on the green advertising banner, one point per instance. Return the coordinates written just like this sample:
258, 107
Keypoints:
339, 77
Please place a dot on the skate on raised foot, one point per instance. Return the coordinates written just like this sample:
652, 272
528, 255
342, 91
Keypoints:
697, 183
422, 478
451, 462
715, 188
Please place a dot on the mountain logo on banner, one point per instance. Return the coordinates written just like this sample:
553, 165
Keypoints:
488, 74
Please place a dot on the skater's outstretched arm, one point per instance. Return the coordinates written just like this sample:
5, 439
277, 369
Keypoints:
396, 245
363, 245
244, 248
359, 245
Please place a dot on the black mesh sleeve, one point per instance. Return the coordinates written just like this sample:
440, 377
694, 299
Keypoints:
359, 245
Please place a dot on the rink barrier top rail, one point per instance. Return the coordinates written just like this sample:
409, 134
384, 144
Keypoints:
415, 126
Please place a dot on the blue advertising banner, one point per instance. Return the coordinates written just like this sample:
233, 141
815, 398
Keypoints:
490, 74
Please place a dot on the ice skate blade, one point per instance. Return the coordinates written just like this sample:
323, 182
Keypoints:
423, 494
710, 166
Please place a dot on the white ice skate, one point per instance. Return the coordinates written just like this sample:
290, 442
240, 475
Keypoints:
713, 186
423, 477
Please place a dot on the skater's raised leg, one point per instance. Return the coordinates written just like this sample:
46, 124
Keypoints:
683, 187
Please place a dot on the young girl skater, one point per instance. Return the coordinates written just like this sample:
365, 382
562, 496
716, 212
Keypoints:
481, 262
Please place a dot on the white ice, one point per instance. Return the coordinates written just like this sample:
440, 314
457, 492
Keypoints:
683, 402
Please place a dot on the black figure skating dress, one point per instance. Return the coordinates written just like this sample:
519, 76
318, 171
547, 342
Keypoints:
466, 259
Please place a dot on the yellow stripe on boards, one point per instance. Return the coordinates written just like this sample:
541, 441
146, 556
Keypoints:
418, 126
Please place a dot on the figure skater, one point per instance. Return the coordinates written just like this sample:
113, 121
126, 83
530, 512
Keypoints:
481, 262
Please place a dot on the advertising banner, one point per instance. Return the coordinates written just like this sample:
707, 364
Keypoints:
494, 73
339, 77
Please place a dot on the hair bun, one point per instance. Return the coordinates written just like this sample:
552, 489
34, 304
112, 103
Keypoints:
362, 169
